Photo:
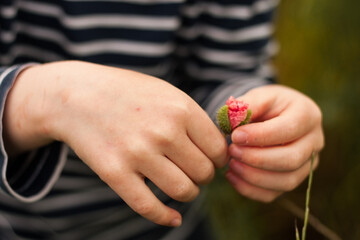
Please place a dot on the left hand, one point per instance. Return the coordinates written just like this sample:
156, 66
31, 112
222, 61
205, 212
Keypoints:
272, 155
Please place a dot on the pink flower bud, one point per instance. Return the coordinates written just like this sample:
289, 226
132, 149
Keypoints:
237, 111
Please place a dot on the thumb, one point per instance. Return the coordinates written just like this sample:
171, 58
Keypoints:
261, 101
278, 117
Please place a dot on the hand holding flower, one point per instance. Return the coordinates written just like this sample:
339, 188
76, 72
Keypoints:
271, 155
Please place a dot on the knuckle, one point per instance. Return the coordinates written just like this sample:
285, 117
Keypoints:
135, 148
290, 184
206, 173
317, 114
185, 192
220, 152
180, 111
253, 179
165, 136
294, 161
321, 141
111, 172
252, 157
144, 208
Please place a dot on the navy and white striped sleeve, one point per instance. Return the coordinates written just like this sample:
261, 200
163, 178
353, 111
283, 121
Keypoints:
29, 176
226, 47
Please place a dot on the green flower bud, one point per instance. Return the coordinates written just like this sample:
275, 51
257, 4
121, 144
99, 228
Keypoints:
223, 120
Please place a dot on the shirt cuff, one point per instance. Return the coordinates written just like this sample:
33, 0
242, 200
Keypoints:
30, 176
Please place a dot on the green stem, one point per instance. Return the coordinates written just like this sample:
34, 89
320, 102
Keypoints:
307, 201
297, 232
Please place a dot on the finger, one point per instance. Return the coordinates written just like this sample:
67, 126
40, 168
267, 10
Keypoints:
288, 157
170, 179
207, 137
191, 160
284, 128
276, 181
251, 191
133, 190
276, 119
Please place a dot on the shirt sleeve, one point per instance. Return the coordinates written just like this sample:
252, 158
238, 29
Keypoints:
225, 48
30, 176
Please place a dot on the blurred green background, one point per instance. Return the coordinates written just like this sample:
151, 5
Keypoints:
320, 56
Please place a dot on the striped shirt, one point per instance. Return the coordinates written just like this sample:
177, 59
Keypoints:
209, 48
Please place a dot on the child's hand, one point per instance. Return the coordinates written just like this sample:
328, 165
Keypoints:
272, 154
125, 125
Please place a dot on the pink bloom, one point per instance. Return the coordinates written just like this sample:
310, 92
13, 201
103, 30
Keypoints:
237, 111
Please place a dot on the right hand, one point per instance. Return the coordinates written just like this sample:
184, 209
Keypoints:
124, 125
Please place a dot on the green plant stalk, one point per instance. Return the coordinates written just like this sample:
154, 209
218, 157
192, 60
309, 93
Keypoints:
297, 232
307, 201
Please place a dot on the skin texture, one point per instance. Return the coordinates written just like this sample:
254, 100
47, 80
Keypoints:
127, 126
271, 155
124, 125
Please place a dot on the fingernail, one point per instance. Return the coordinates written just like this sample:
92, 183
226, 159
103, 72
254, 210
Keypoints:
175, 222
239, 137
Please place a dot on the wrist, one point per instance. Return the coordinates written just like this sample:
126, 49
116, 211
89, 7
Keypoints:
24, 119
